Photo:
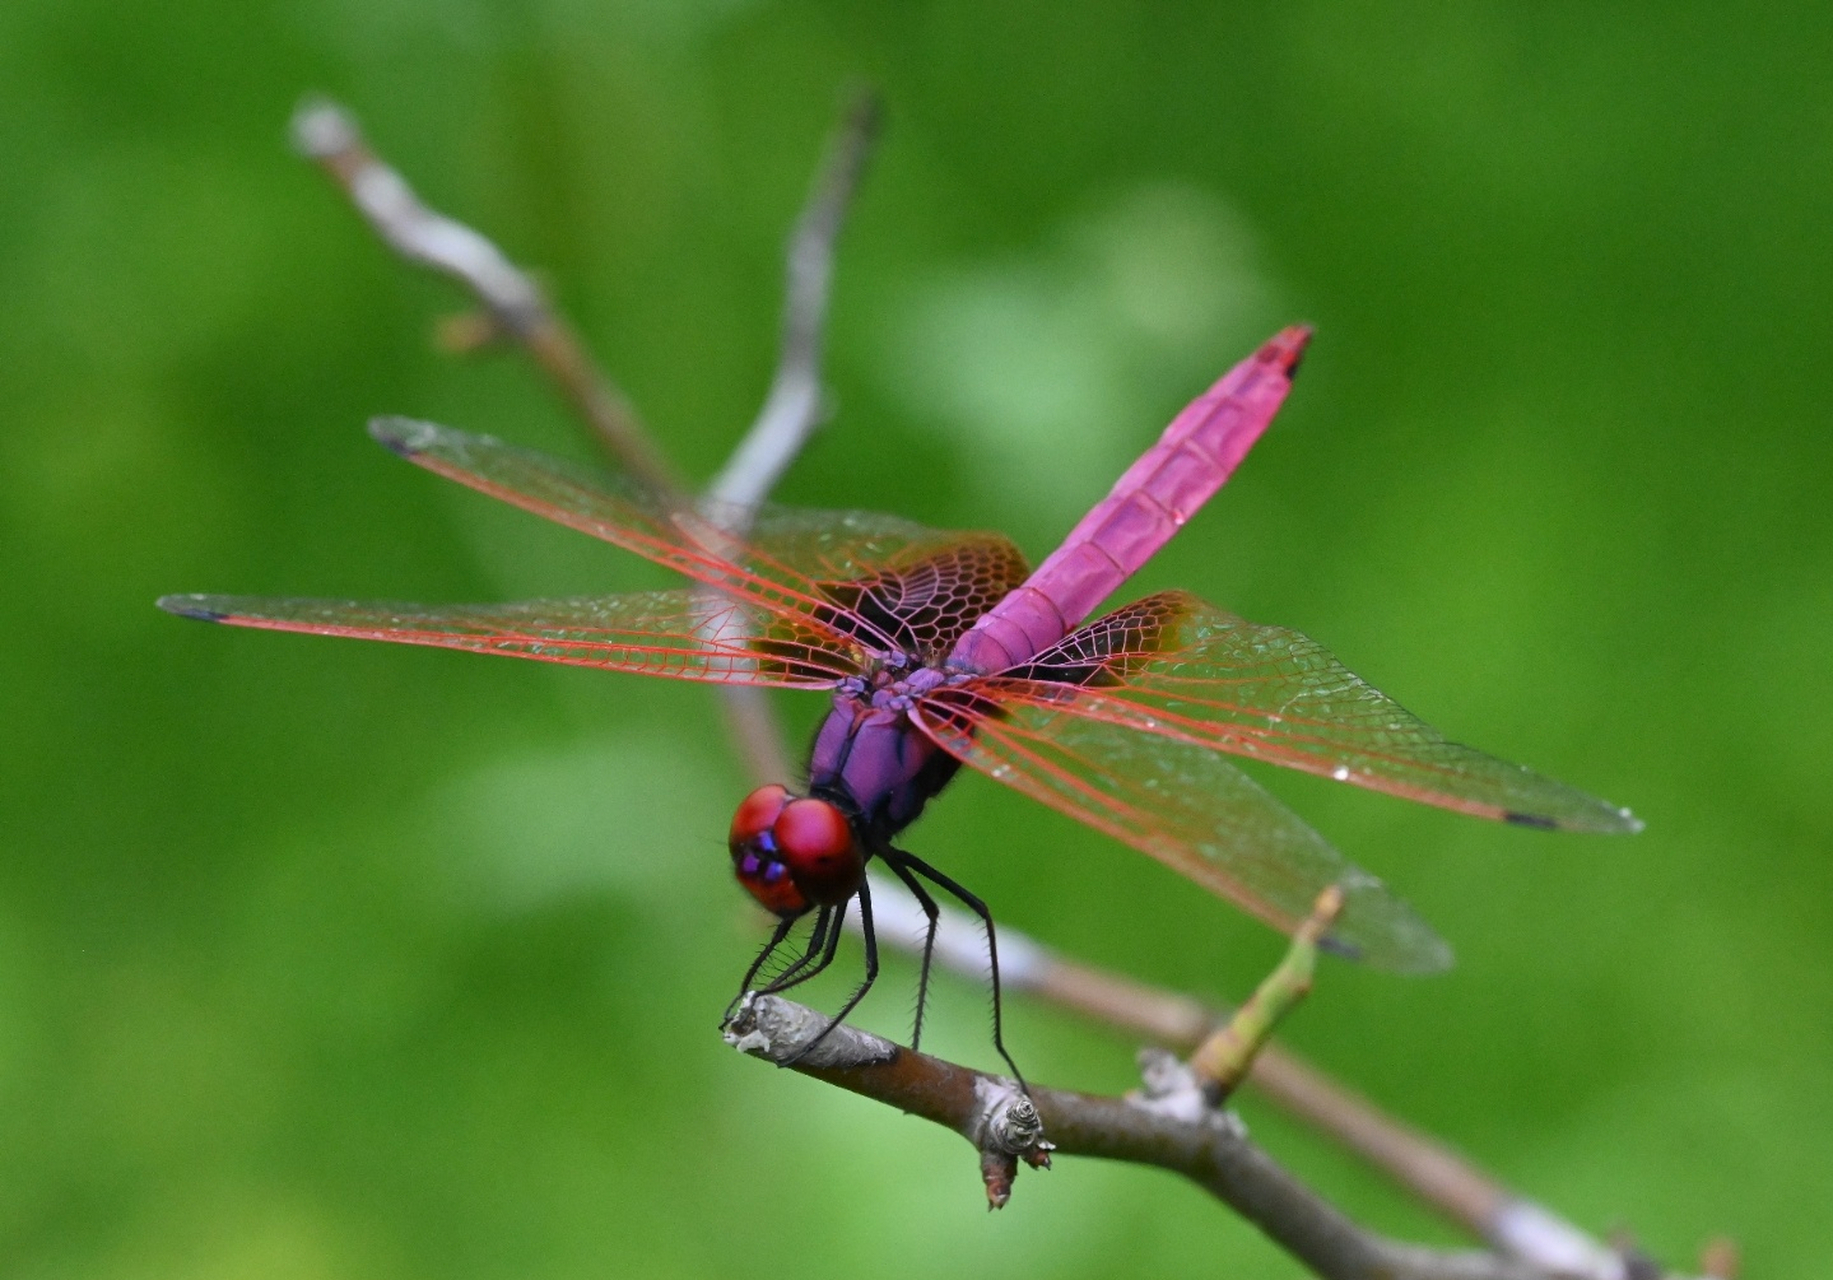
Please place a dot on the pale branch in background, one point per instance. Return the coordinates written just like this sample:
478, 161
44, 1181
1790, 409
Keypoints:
325, 133
793, 407
1172, 1124
516, 307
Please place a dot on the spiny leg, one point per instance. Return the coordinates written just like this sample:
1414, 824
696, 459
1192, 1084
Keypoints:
817, 938
744, 986
870, 936
934, 914
776, 940
825, 939
979, 908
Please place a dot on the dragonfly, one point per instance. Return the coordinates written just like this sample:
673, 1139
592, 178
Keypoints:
945, 649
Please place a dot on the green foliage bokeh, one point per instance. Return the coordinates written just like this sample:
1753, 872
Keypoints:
333, 960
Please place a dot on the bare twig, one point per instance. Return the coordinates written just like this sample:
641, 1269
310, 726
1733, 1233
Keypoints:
792, 408
1159, 1128
1427, 1168
326, 133
515, 306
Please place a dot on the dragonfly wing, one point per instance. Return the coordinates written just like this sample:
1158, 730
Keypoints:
787, 563
687, 634
926, 596
1175, 667
1184, 805
842, 546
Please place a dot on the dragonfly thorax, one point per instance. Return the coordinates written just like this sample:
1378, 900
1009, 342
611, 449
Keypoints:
872, 760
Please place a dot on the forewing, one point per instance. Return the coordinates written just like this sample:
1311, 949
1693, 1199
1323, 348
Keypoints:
688, 634
1174, 667
786, 564
1185, 806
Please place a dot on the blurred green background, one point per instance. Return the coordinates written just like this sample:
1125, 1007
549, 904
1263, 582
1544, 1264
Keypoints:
340, 960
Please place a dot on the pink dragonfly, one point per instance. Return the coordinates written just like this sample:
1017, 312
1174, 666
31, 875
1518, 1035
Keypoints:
941, 649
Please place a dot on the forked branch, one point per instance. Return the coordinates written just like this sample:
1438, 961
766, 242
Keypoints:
515, 306
792, 407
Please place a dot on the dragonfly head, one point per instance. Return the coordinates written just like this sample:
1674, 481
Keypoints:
794, 853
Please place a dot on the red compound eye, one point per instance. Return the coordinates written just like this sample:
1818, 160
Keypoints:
757, 813
816, 840
756, 861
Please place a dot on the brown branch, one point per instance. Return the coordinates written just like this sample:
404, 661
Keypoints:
1169, 1127
1425, 1167
327, 134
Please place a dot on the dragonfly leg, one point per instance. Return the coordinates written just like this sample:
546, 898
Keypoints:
776, 940
823, 942
871, 940
934, 914
763, 957
979, 908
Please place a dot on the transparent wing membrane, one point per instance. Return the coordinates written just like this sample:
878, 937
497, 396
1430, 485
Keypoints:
1174, 667
1118, 725
1185, 806
791, 563
686, 634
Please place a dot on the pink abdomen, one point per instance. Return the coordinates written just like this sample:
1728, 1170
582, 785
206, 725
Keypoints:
1171, 480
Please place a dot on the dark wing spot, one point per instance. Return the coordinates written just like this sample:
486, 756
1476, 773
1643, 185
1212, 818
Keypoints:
930, 593
401, 436
1531, 820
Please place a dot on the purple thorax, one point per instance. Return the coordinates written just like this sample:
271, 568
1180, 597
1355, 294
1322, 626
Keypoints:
868, 754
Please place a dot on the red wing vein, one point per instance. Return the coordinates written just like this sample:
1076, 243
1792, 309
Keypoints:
622, 515
1182, 804
1210, 679
687, 634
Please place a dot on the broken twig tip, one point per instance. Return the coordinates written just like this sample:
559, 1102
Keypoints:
1009, 1130
1324, 913
997, 1171
320, 127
